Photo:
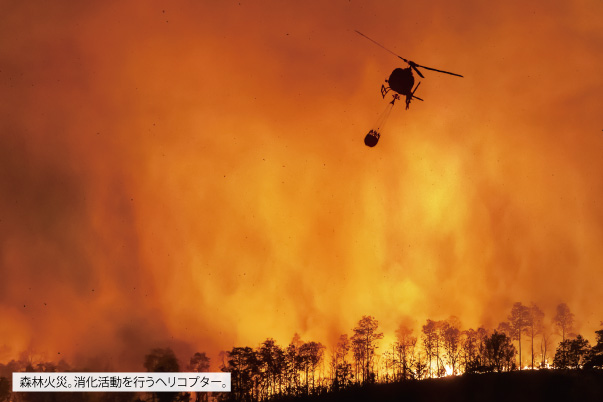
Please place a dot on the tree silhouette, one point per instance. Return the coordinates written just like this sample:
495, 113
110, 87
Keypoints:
292, 366
359, 355
272, 362
544, 347
429, 338
438, 346
342, 376
420, 367
365, 341
243, 365
473, 349
469, 351
291, 371
535, 327
311, 354
387, 363
563, 320
595, 357
451, 337
405, 348
519, 320
500, 352
571, 353
199, 363
162, 361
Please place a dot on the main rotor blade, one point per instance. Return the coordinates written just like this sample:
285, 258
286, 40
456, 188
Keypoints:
380, 45
434, 69
411, 63
414, 67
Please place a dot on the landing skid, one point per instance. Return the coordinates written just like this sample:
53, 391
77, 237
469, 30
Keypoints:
385, 90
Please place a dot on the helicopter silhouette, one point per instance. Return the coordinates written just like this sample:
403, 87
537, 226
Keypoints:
401, 81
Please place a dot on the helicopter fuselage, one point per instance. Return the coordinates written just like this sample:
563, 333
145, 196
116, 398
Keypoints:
402, 80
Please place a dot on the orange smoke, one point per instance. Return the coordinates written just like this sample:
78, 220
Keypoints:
194, 176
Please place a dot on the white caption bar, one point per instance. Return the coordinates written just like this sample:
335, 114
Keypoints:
121, 382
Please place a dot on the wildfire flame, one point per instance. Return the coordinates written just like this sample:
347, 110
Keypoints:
194, 176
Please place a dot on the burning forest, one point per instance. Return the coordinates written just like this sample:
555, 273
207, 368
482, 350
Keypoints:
192, 177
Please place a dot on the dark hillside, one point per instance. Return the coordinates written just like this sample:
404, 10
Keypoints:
528, 386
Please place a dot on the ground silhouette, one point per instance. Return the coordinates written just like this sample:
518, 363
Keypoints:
517, 386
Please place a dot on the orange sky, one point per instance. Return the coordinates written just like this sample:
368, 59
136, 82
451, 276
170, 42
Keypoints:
193, 174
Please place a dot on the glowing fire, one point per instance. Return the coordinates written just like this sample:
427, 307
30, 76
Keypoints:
194, 176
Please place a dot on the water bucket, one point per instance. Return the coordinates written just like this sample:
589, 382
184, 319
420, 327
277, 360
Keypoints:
371, 138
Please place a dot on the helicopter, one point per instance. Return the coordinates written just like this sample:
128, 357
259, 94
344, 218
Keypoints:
401, 81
